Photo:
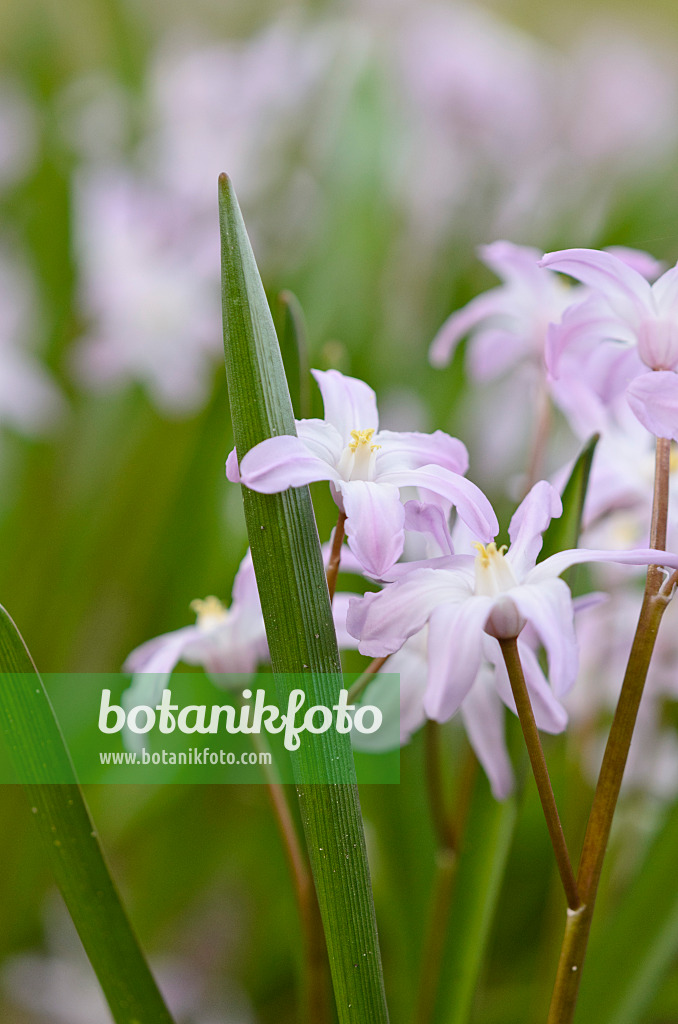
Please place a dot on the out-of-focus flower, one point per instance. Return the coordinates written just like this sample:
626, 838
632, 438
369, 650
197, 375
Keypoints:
29, 400
605, 633
467, 600
508, 323
148, 290
626, 308
223, 640
366, 468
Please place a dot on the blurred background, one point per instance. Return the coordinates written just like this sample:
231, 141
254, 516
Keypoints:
373, 145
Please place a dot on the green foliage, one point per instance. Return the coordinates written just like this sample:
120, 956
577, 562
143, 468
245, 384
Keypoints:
69, 838
296, 606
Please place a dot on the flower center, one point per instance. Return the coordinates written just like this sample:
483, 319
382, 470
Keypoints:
359, 456
494, 575
210, 612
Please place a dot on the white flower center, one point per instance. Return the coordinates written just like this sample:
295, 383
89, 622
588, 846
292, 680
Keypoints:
494, 574
358, 459
210, 613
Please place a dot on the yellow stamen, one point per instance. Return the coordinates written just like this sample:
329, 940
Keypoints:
210, 608
362, 437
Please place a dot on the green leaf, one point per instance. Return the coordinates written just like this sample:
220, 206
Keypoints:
630, 956
294, 350
482, 862
564, 533
38, 753
296, 607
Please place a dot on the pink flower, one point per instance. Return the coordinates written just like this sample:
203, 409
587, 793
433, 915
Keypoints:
509, 323
467, 601
366, 468
626, 308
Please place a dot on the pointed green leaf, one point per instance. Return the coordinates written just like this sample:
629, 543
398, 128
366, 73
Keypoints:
482, 862
38, 753
564, 533
629, 957
296, 607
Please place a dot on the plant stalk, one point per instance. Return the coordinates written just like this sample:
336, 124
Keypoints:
335, 555
541, 775
655, 602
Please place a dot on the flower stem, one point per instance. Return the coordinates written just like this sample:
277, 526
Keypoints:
366, 678
335, 554
541, 775
655, 602
542, 429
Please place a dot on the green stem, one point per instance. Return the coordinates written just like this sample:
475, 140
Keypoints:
541, 775
655, 602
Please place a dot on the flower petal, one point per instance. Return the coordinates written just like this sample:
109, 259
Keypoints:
160, 655
529, 521
489, 304
665, 293
411, 450
471, 504
548, 607
653, 397
384, 621
626, 291
321, 439
562, 560
375, 523
455, 649
349, 403
483, 718
421, 517
281, 462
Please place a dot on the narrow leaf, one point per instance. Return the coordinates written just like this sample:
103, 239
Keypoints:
631, 955
482, 863
564, 533
296, 607
294, 349
38, 754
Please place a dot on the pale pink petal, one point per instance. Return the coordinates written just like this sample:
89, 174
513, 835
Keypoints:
349, 403
627, 293
549, 714
455, 648
340, 605
384, 621
494, 350
518, 265
529, 521
457, 326
583, 325
282, 462
642, 262
321, 439
471, 504
548, 607
554, 565
411, 450
162, 654
232, 468
421, 517
245, 594
375, 523
483, 717
653, 397
665, 293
